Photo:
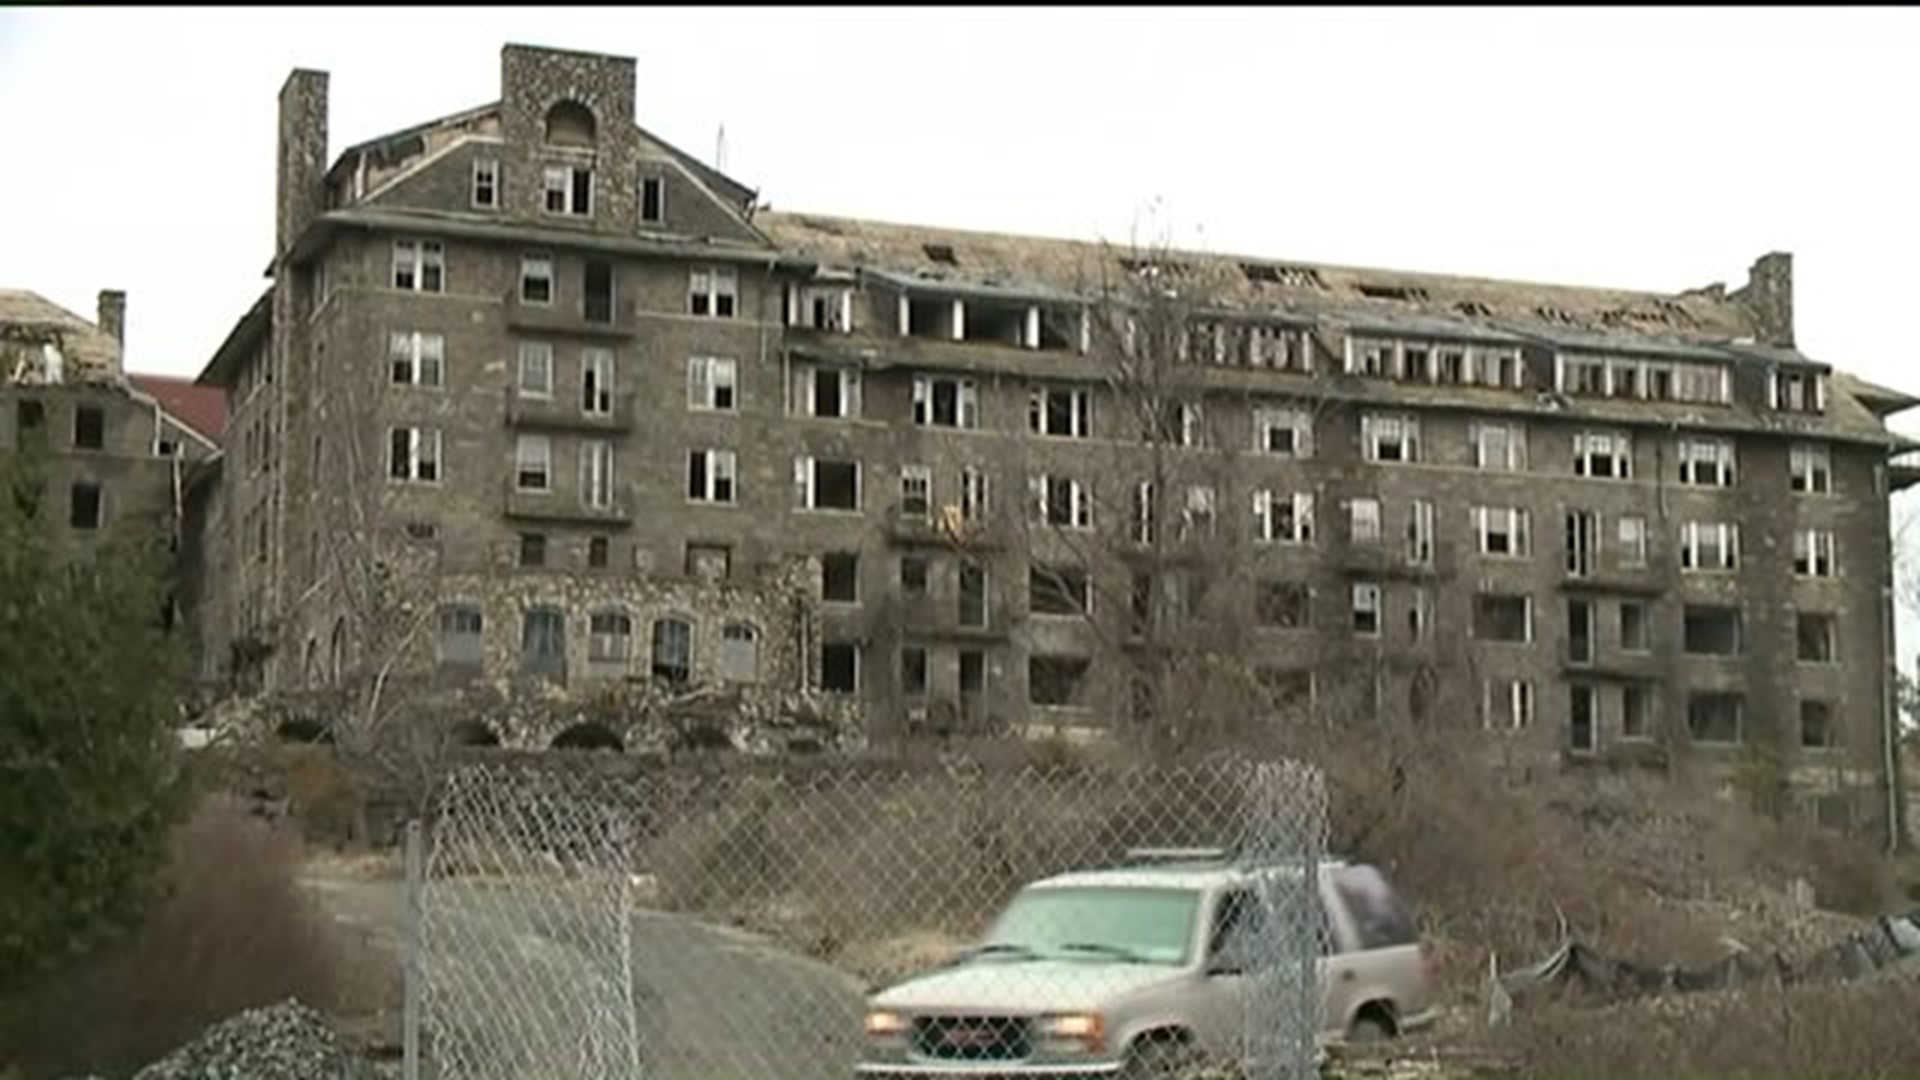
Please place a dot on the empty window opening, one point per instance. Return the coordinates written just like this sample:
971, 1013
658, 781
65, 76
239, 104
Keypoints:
916, 491
1366, 609
1813, 553
1506, 704
1503, 531
1706, 462
972, 595
973, 676
840, 577
1583, 542
713, 292
1057, 680
89, 427
533, 549
1583, 710
543, 642
1420, 533
599, 550
596, 381
913, 575
1283, 604
840, 667
1815, 636
1811, 469
1283, 518
1061, 501
1297, 277
486, 184
1817, 728
1580, 631
653, 200
1002, 324
712, 383
1411, 294
1390, 438
597, 290
1502, 618
571, 123
1636, 711
1282, 432
672, 651
829, 391
930, 317
569, 189
829, 485
29, 415
419, 265
1712, 631
913, 670
1714, 717
1058, 590
941, 253
710, 476
536, 279
413, 454
1061, 412
1633, 627
945, 402
85, 508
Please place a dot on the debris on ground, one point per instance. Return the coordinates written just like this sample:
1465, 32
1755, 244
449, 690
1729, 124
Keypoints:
288, 1041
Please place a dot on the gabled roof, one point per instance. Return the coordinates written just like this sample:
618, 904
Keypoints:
247, 333
194, 405
89, 352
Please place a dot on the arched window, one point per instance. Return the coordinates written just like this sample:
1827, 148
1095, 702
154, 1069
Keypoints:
570, 123
740, 652
673, 650
543, 642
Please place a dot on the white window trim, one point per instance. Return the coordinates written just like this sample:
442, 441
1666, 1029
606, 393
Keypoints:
567, 174
416, 346
1728, 538
491, 168
418, 255
1374, 426
713, 283
530, 267
1266, 517
1807, 461
1079, 412
1695, 452
1810, 546
544, 390
966, 402
1618, 446
706, 375
1354, 518
597, 364
1080, 504
528, 451
923, 476
720, 464
806, 472
1516, 522
1366, 596
417, 439
597, 477
1267, 419
1516, 455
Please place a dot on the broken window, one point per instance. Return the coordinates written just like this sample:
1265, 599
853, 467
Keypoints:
1058, 590
486, 184
1062, 502
972, 594
827, 392
1633, 541
533, 549
1363, 521
1056, 680
599, 552
913, 575
1707, 383
945, 401
596, 474
653, 199
1419, 612
1633, 627
1420, 533
840, 667
1145, 512
973, 682
536, 278
609, 639
840, 577
827, 485
1813, 553
568, 189
999, 323
1587, 377
931, 317
596, 381
739, 652
1817, 729
1583, 542
535, 369
913, 670
1815, 635
543, 642
1390, 438
596, 292
413, 454
1283, 604
416, 359
672, 650
1500, 447
1636, 711
29, 415
1810, 469
712, 383
1283, 432
84, 505
973, 495
89, 427
1583, 717
1714, 717
532, 463
1799, 391
1580, 631
1706, 462
1712, 631
710, 476
1506, 704
1709, 546
713, 292
709, 562
1503, 531
1503, 618
1603, 455
1281, 348
419, 265
459, 641
1197, 518
1375, 359
1061, 412
1283, 518
1365, 602
916, 491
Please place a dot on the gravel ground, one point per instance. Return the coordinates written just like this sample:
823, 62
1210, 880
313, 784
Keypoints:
288, 1041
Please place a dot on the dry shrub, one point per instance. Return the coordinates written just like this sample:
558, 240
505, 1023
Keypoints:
231, 932
326, 799
1863, 1030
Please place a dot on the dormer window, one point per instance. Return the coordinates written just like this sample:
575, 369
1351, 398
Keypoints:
569, 189
653, 200
486, 184
1799, 391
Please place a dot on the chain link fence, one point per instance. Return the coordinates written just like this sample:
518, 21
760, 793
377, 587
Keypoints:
867, 919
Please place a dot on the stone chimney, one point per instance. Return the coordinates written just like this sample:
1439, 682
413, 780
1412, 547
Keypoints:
302, 169
112, 318
1768, 298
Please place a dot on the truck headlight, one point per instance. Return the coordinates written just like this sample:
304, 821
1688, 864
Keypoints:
885, 1024
1074, 1031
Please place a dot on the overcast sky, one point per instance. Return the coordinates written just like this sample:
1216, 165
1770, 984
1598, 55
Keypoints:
1642, 148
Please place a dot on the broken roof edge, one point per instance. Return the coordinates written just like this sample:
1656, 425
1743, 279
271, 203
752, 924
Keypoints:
247, 331
335, 171
1882, 401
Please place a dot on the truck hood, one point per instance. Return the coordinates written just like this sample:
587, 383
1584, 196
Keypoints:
1021, 987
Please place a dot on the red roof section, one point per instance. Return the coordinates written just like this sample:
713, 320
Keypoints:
202, 408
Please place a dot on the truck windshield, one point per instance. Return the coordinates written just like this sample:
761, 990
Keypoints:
1145, 925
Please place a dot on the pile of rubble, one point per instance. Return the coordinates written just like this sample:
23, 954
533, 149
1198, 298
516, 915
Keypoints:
288, 1041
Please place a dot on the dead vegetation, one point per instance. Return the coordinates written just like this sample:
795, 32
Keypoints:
232, 932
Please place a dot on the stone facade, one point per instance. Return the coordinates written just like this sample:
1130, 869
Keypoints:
599, 311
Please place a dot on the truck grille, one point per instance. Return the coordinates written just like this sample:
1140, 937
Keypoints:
973, 1038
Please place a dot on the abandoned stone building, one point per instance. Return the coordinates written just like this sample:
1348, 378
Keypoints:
648, 429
